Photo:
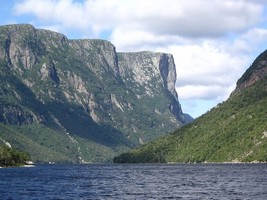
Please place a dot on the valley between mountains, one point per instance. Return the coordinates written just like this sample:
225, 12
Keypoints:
81, 101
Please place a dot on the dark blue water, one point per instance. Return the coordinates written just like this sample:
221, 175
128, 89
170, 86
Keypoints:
181, 181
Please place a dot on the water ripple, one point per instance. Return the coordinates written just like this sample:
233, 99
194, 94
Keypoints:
147, 181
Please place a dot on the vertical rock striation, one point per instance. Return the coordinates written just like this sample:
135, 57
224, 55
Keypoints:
155, 73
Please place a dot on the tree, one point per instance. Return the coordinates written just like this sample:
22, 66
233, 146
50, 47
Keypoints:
12, 157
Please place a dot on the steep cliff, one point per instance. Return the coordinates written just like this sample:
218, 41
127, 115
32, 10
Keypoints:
152, 75
79, 100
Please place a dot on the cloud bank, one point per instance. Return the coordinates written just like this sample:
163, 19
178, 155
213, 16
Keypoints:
213, 41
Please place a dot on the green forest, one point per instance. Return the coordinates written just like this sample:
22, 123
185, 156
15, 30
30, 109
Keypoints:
10, 157
233, 131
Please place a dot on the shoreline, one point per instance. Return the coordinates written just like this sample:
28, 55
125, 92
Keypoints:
27, 166
167, 163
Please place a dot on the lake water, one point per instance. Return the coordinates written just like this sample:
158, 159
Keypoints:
140, 181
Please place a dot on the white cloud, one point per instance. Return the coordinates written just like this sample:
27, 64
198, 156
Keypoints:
204, 92
201, 18
138, 40
65, 13
55, 28
256, 35
199, 91
206, 71
202, 63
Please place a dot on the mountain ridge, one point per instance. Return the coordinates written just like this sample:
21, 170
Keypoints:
79, 92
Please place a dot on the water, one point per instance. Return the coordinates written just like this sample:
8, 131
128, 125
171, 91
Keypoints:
149, 181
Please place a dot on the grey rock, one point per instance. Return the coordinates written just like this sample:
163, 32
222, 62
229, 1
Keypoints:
151, 71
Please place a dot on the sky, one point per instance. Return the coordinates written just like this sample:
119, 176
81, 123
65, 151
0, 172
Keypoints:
213, 41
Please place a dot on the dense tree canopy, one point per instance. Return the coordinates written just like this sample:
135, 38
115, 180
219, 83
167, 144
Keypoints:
11, 157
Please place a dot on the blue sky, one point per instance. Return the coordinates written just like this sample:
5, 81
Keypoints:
213, 42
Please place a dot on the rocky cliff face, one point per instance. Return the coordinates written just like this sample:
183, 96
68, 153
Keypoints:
256, 72
155, 72
99, 99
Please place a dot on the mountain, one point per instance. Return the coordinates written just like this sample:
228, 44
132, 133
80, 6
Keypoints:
67, 100
233, 131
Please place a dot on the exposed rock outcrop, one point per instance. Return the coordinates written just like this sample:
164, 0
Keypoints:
254, 73
15, 115
20, 50
152, 71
